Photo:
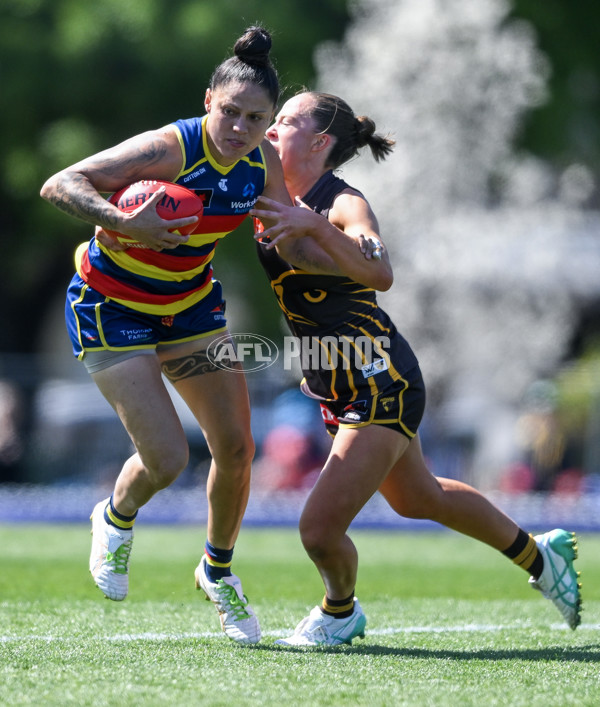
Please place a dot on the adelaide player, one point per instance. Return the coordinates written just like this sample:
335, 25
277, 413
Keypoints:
325, 259
154, 307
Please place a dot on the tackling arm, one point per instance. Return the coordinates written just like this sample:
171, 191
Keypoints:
338, 246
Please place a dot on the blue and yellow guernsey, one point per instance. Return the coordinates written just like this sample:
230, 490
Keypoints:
170, 281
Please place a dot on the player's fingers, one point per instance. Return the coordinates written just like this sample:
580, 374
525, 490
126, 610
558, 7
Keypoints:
261, 213
267, 202
108, 241
154, 197
173, 239
276, 238
266, 235
176, 223
370, 247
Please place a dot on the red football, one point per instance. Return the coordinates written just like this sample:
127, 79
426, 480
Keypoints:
178, 202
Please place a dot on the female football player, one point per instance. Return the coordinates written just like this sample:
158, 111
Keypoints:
325, 259
134, 313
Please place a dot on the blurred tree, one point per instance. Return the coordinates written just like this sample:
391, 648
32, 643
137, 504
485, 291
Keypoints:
466, 217
566, 128
495, 247
77, 77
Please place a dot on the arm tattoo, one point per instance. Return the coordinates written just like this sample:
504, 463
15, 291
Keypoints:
194, 364
75, 194
130, 165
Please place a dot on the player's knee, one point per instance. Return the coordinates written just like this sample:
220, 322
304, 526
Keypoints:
315, 547
244, 450
315, 541
417, 507
165, 466
416, 510
235, 452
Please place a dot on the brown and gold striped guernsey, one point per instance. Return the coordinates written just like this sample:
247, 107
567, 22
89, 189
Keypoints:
350, 347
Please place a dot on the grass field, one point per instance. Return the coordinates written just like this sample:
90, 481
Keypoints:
450, 622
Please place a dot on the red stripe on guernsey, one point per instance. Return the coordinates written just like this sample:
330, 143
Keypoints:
117, 290
220, 223
172, 263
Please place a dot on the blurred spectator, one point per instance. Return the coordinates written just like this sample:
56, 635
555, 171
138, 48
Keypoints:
540, 434
569, 482
11, 436
287, 461
544, 447
296, 446
518, 478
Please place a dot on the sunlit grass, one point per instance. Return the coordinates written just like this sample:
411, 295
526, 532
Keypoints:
450, 622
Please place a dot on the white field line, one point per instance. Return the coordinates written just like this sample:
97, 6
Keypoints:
389, 631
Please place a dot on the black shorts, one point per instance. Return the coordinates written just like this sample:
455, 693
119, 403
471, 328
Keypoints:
400, 408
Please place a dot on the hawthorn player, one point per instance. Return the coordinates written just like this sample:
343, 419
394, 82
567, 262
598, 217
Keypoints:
325, 260
136, 312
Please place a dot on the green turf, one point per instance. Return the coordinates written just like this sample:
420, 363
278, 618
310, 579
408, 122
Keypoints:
450, 622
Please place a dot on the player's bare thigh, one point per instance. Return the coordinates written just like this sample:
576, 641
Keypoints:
217, 397
410, 488
135, 389
359, 461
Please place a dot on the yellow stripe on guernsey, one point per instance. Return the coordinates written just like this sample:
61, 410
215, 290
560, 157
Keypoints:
210, 159
125, 261
332, 368
157, 309
173, 308
381, 351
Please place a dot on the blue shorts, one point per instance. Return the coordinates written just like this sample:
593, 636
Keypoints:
400, 408
96, 323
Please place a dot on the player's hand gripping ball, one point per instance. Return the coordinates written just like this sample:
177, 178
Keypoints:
177, 202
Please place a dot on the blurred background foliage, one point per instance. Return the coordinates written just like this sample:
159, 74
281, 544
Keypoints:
566, 128
77, 77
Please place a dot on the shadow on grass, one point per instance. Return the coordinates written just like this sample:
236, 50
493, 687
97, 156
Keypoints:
575, 654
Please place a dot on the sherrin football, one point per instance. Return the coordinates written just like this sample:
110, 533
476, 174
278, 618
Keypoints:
177, 202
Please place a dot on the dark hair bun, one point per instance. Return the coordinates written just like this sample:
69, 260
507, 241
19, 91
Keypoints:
253, 46
365, 128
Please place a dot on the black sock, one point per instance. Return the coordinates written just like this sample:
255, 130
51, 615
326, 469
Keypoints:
524, 553
338, 608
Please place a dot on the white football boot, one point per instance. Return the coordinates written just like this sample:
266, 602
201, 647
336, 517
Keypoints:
109, 558
238, 620
319, 629
559, 581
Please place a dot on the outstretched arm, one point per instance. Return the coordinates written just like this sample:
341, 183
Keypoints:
342, 245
